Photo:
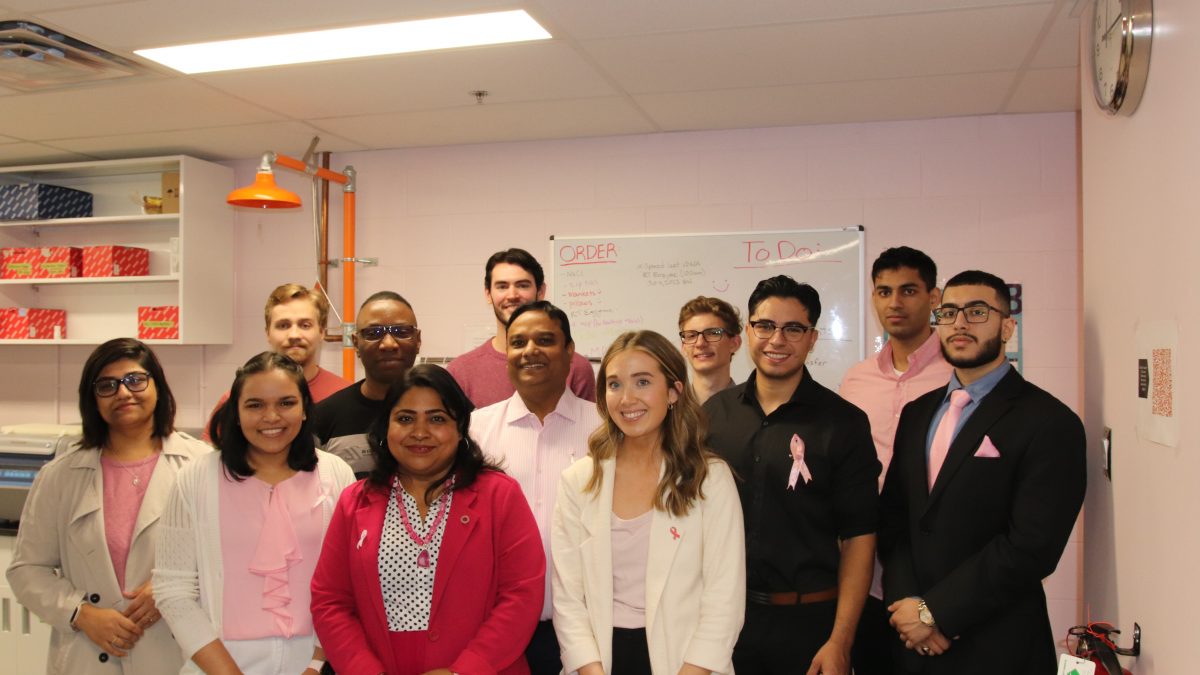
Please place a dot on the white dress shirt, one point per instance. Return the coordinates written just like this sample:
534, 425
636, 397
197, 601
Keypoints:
536, 453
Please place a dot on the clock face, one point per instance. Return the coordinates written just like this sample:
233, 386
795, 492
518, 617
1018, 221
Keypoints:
1108, 36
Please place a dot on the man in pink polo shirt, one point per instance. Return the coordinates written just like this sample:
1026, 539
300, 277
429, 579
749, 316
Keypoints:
296, 318
909, 365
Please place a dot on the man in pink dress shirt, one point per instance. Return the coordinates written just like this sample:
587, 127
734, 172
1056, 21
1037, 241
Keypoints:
537, 433
909, 365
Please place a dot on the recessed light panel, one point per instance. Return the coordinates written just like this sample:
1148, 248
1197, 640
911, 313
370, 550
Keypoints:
348, 43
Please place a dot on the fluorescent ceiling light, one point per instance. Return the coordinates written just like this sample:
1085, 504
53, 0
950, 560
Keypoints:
349, 43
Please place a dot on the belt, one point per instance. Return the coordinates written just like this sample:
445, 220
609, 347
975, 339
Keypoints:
791, 597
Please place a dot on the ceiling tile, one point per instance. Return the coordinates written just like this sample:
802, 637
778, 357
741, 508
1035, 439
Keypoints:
1060, 48
14, 154
585, 20
913, 98
123, 109
493, 123
985, 40
1049, 90
520, 72
224, 143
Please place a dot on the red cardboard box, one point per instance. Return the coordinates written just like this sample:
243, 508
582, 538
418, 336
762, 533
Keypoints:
115, 261
158, 323
48, 262
23, 323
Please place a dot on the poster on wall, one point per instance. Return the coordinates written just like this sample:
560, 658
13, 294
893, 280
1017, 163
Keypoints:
1157, 344
1012, 348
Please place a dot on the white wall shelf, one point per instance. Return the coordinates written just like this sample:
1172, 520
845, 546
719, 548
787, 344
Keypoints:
191, 252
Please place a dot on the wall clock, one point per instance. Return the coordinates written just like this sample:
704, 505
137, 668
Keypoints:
1121, 34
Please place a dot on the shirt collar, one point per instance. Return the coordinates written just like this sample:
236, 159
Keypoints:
516, 410
929, 350
981, 387
802, 394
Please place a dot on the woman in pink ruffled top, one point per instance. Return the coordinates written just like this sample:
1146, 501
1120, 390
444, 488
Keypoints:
243, 530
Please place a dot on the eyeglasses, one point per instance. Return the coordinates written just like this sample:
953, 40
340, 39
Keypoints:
710, 335
792, 332
108, 386
400, 331
979, 313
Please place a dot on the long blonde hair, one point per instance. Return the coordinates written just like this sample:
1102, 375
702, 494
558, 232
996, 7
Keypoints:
685, 456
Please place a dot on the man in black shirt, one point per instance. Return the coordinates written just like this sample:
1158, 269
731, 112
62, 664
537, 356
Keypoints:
807, 478
387, 341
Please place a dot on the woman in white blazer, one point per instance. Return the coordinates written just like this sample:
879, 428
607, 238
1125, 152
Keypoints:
243, 529
85, 547
649, 570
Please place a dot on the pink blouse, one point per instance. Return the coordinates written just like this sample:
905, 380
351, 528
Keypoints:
124, 489
630, 553
270, 540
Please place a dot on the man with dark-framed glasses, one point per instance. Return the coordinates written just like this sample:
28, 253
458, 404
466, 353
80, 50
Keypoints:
808, 488
387, 341
986, 481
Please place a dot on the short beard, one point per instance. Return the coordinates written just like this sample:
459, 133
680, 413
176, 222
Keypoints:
988, 352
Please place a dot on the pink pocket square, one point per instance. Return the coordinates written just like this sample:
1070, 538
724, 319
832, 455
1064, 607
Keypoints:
987, 449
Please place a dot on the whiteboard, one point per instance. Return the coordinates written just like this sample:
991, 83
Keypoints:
611, 284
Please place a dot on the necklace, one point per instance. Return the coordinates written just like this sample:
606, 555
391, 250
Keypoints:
423, 542
134, 474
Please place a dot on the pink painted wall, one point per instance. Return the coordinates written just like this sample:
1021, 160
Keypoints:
998, 193
1140, 239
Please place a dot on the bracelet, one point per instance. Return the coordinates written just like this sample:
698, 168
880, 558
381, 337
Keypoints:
75, 614
316, 665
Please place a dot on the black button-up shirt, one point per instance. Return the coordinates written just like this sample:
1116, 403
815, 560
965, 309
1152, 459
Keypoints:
792, 534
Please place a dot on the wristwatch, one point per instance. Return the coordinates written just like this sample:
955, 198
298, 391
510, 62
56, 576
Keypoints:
924, 614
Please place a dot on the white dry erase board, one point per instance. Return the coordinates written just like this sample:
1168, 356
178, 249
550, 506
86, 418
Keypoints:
609, 285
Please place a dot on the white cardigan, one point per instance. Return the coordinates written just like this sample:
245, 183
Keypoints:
695, 575
188, 576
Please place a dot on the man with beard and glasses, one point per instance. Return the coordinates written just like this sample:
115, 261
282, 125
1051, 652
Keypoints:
904, 293
387, 341
512, 278
296, 318
537, 433
986, 482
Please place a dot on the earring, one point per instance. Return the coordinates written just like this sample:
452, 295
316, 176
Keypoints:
670, 406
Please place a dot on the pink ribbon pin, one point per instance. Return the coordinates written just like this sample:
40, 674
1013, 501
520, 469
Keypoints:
799, 468
674, 533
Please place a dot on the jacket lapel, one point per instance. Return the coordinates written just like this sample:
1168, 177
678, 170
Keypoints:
666, 532
994, 406
158, 489
461, 520
87, 523
596, 518
918, 463
368, 528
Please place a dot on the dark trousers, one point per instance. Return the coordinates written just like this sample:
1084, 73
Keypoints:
630, 652
873, 643
542, 653
782, 640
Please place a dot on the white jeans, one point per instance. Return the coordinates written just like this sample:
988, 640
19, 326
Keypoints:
266, 656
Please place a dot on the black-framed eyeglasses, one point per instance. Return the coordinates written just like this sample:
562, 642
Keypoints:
710, 335
108, 386
792, 332
399, 331
977, 313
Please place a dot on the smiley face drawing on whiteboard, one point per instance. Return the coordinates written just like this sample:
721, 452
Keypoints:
719, 289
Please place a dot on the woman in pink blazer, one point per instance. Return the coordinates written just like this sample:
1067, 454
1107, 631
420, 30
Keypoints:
432, 564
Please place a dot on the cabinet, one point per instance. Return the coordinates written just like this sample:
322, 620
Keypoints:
191, 252
24, 638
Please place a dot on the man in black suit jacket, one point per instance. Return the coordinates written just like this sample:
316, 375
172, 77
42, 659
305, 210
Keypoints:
969, 529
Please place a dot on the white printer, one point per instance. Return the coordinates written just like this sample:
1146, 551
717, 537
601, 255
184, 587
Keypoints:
24, 450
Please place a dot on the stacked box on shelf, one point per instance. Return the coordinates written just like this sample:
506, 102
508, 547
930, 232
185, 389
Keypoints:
47, 262
115, 261
26, 323
37, 201
158, 323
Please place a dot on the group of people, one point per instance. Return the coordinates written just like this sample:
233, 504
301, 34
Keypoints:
517, 514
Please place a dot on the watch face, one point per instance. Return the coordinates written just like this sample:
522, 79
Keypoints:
1108, 33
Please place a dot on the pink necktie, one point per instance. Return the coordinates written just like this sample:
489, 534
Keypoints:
959, 398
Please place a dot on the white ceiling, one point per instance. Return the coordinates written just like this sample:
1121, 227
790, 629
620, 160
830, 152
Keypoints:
613, 67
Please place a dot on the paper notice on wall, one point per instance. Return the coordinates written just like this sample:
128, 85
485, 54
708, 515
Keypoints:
1157, 344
